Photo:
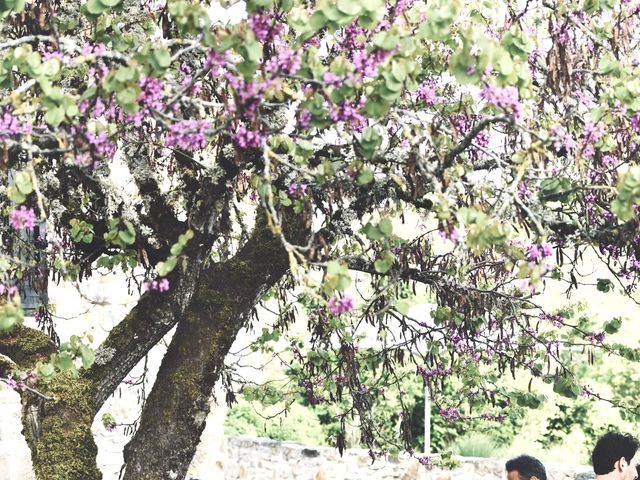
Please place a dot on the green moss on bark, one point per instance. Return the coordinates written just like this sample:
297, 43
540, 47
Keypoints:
26, 346
65, 449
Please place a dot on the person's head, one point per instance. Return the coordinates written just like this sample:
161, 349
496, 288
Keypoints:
525, 467
613, 453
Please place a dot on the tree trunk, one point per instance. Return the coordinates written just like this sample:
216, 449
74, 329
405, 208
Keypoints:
58, 431
175, 413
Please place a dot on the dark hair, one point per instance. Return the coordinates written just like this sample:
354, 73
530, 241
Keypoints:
610, 448
527, 467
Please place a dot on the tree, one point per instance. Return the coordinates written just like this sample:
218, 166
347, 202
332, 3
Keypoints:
277, 157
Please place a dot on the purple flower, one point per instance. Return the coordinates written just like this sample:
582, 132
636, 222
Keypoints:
101, 145
506, 98
152, 94
340, 305
154, 5
188, 134
297, 190
450, 413
367, 63
348, 113
427, 93
547, 251
563, 140
332, 79
246, 138
23, 217
10, 127
161, 285
304, 118
286, 61
264, 26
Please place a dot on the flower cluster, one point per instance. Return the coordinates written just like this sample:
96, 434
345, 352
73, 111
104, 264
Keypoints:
348, 113
20, 383
22, 217
591, 134
10, 291
188, 134
304, 118
101, 144
450, 414
10, 127
285, 61
367, 63
264, 26
427, 94
246, 138
297, 190
340, 305
152, 95
161, 285
563, 141
506, 98
535, 253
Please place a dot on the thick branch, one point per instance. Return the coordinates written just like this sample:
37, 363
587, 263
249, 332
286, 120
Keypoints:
174, 415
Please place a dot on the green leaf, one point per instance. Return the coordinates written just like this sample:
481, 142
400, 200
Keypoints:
382, 266
126, 237
54, 116
613, 326
110, 3
372, 5
88, 357
252, 51
372, 232
385, 226
604, 285
385, 40
402, 307
95, 7
14, 5
365, 176
64, 361
166, 267
128, 95
23, 182
350, 7
162, 57
46, 370
15, 195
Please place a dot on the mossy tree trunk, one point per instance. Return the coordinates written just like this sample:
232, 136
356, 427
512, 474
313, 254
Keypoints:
57, 428
175, 413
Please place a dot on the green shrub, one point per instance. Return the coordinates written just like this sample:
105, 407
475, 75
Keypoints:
476, 445
296, 424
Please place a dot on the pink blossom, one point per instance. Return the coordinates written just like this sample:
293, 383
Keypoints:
297, 190
563, 139
22, 217
427, 93
506, 98
246, 138
161, 285
340, 305
188, 134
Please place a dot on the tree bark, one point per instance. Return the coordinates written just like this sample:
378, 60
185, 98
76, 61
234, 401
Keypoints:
58, 431
175, 413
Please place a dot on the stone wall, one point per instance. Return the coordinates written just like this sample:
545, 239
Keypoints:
249, 458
